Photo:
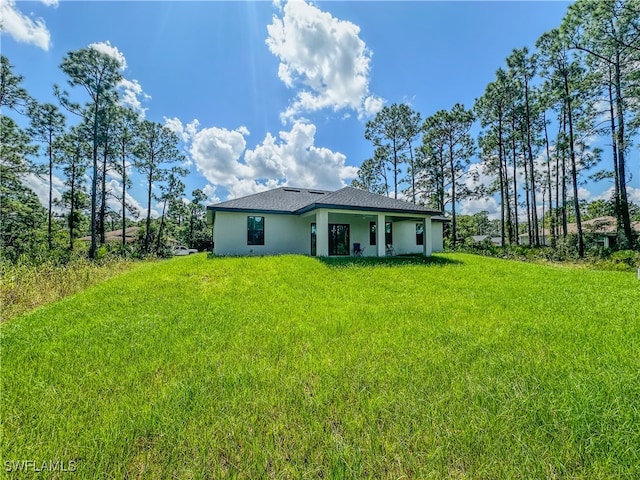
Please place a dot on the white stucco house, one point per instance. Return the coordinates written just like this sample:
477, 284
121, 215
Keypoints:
323, 223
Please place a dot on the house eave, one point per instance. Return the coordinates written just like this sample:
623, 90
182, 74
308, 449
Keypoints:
249, 210
330, 206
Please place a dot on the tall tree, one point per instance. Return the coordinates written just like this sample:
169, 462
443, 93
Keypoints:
608, 33
171, 191
492, 109
523, 67
47, 124
372, 174
197, 213
125, 130
157, 146
21, 214
12, 93
98, 73
390, 132
73, 152
451, 130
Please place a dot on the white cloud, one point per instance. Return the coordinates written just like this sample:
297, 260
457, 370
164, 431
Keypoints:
50, 3
292, 158
216, 152
184, 132
210, 192
489, 204
112, 51
131, 95
114, 187
40, 187
22, 28
323, 55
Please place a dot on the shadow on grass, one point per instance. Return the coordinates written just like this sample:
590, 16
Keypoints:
434, 260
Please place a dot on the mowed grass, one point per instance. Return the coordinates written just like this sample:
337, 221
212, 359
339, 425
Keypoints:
293, 367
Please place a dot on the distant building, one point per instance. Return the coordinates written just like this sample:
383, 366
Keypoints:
603, 229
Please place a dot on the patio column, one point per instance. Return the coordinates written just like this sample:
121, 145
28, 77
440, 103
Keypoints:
322, 233
427, 235
382, 248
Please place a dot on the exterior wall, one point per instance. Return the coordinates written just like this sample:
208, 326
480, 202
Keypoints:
436, 236
282, 234
404, 238
292, 234
358, 231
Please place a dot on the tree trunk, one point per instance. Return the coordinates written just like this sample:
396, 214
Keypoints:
502, 182
150, 185
72, 213
453, 194
103, 205
49, 229
527, 187
94, 186
534, 210
574, 172
124, 195
516, 236
551, 219
622, 181
616, 174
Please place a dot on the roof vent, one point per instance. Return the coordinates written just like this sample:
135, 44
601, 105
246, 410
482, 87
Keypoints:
291, 190
316, 192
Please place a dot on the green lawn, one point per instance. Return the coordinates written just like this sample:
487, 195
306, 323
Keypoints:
293, 367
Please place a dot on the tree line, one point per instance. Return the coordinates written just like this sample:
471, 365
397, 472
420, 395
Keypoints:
96, 145
538, 120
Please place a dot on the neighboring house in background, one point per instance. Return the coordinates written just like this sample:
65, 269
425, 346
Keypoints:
130, 235
602, 228
319, 222
483, 238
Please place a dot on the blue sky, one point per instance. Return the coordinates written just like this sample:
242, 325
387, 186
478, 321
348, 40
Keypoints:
266, 93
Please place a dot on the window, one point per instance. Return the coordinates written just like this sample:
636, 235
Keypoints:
373, 233
419, 234
255, 230
339, 239
388, 233
313, 240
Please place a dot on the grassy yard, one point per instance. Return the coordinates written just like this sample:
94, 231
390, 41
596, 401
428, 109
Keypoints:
293, 367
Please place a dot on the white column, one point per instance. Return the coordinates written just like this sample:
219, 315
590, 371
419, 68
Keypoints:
382, 248
427, 235
322, 233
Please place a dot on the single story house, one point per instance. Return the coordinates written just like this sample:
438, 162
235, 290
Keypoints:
130, 235
306, 221
483, 238
603, 230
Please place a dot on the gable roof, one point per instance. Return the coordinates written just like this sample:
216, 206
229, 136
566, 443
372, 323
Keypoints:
300, 200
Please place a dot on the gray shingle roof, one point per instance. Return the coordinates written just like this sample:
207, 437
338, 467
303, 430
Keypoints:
354, 198
300, 200
282, 200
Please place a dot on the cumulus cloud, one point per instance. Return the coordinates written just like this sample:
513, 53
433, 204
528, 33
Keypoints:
132, 95
488, 204
324, 56
40, 187
23, 28
112, 51
216, 153
292, 158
